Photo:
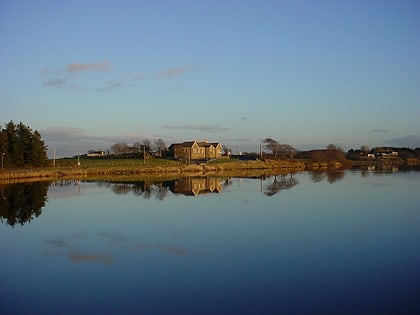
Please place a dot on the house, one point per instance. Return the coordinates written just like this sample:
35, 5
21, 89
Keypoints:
93, 153
189, 151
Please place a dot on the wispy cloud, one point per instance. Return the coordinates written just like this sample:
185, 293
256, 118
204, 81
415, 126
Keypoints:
55, 82
70, 141
74, 68
79, 257
204, 128
178, 250
411, 141
244, 118
68, 247
71, 248
379, 130
169, 73
66, 77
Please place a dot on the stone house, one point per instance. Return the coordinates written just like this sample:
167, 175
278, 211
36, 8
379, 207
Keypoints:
190, 151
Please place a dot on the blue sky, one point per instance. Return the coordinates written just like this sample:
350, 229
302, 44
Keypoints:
88, 74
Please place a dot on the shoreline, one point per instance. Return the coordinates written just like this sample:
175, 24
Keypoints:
241, 168
237, 169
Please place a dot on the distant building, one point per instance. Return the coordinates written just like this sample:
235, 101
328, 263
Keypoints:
97, 153
195, 150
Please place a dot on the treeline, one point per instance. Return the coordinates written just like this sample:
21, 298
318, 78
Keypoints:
20, 146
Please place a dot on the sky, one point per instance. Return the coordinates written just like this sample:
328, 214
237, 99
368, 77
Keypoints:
89, 74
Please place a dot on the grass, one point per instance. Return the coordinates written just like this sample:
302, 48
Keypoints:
110, 163
223, 160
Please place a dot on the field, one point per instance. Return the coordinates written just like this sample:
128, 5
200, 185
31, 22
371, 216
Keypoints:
89, 163
155, 167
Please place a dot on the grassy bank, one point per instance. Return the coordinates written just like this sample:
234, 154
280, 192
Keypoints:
160, 168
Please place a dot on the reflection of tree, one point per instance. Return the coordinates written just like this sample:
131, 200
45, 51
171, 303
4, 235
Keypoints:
121, 188
20, 203
335, 176
283, 183
145, 189
331, 176
318, 176
227, 183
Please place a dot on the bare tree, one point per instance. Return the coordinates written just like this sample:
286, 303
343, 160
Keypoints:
333, 147
138, 147
365, 148
287, 150
272, 146
160, 146
119, 148
148, 145
226, 150
277, 149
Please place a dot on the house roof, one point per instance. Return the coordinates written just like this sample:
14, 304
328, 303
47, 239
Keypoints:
191, 143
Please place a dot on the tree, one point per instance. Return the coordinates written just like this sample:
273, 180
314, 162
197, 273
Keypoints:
39, 150
278, 149
161, 147
226, 150
333, 147
287, 150
138, 147
22, 146
15, 148
365, 148
119, 148
148, 145
272, 146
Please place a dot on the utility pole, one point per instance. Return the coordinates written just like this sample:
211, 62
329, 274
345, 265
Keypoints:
2, 157
54, 157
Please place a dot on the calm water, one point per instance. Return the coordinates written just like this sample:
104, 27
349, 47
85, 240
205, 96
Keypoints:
311, 243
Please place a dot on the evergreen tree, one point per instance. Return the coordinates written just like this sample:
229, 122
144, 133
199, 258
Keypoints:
20, 146
39, 150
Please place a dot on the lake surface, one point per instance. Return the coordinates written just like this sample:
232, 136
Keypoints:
307, 243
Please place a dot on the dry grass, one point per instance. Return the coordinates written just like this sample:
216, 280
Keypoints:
156, 168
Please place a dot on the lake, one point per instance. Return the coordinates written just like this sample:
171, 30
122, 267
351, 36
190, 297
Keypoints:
343, 242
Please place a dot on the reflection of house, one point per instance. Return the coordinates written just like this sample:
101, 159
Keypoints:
195, 150
194, 186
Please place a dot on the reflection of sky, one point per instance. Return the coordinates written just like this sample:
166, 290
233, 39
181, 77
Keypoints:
348, 244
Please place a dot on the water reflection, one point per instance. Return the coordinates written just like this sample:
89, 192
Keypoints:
279, 183
20, 203
330, 176
188, 186
195, 186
